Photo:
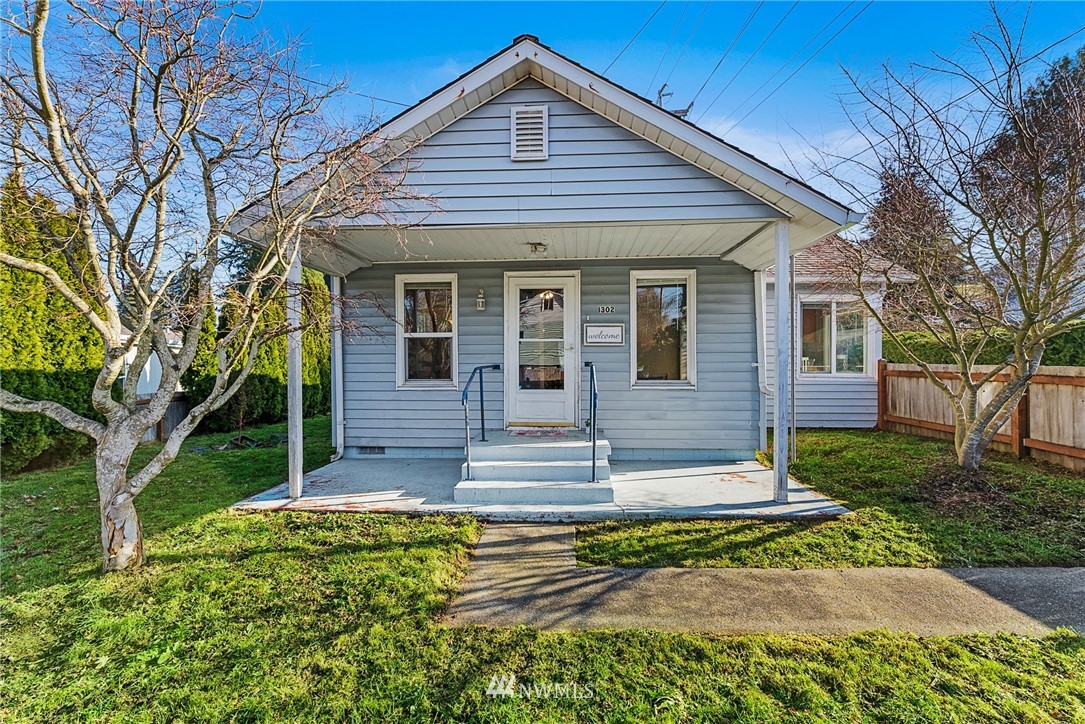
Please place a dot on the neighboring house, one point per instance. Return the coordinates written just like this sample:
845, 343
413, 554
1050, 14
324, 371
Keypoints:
150, 378
578, 223
836, 343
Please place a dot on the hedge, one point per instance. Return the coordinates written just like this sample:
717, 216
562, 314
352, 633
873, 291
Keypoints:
262, 398
47, 349
1067, 349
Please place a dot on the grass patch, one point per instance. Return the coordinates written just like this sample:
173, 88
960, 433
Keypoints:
316, 617
912, 507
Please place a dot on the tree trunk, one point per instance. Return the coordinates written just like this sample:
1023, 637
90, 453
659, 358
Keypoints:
122, 537
971, 446
122, 533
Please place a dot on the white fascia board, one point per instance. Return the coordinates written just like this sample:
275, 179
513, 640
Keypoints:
694, 136
528, 51
473, 81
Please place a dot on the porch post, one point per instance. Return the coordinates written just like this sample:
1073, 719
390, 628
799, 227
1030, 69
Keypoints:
338, 419
782, 396
295, 444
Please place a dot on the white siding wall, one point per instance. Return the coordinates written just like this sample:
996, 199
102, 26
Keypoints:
718, 419
825, 400
596, 172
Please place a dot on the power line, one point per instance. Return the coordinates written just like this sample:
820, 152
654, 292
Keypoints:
737, 37
682, 52
795, 55
652, 82
804, 64
948, 103
750, 58
382, 100
637, 35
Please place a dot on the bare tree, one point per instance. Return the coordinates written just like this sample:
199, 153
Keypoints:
980, 203
160, 127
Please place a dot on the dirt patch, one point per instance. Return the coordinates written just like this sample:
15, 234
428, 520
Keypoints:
950, 488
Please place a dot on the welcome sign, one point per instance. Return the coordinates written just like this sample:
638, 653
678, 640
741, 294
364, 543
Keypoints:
604, 335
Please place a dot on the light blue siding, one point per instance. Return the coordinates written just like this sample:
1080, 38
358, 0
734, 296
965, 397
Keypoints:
718, 419
596, 172
825, 400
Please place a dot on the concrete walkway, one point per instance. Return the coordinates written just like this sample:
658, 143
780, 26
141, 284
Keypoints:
526, 574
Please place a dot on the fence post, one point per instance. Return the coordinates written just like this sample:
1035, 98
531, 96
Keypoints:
1019, 427
883, 393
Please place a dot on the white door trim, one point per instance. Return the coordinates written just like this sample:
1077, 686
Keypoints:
572, 337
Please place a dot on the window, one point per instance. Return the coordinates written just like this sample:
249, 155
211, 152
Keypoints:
663, 305
426, 330
833, 337
530, 133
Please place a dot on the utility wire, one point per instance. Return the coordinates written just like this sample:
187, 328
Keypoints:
795, 55
682, 52
804, 64
737, 37
382, 100
652, 82
748, 60
642, 27
950, 102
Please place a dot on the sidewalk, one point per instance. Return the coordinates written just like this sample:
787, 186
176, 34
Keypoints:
526, 574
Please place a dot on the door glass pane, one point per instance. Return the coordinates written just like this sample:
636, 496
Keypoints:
542, 365
542, 313
662, 343
815, 337
850, 334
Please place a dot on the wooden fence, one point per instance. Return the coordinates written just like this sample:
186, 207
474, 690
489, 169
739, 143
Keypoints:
1048, 424
175, 413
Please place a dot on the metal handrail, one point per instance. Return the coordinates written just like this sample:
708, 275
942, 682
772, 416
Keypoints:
593, 387
481, 411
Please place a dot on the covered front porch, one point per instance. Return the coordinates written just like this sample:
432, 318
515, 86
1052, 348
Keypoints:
642, 489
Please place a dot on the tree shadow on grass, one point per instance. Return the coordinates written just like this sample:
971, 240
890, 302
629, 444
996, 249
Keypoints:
51, 523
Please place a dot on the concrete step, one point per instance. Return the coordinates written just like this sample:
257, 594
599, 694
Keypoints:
535, 471
502, 447
520, 492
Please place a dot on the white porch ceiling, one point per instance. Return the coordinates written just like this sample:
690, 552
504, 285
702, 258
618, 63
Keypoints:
357, 248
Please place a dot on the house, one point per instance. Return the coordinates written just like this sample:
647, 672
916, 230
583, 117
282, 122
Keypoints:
581, 229
836, 344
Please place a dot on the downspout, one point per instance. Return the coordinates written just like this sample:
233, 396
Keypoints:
759, 286
339, 421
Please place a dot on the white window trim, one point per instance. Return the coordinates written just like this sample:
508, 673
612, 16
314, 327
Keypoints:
402, 383
689, 277
870, 339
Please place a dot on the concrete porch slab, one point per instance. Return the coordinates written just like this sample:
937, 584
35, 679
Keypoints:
641, 490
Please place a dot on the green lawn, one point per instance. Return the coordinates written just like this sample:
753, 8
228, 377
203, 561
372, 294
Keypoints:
911, 506
295, 616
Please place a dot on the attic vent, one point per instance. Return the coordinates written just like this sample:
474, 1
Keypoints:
530, 133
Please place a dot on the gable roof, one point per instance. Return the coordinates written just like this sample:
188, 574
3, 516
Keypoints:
813, 215
823, 262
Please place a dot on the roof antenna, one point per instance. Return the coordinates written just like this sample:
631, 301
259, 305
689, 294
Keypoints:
681, 112
662, 94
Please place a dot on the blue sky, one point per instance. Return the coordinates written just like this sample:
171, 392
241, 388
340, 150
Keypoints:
404, 50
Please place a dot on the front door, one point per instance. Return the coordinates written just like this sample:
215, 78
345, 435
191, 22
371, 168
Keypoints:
541, 324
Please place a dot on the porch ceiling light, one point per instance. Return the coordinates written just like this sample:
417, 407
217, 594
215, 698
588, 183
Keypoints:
537, 248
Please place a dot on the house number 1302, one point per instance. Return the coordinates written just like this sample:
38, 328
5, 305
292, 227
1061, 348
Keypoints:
606, 310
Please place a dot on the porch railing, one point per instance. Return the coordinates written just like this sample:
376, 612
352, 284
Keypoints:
481, 410
593, 401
